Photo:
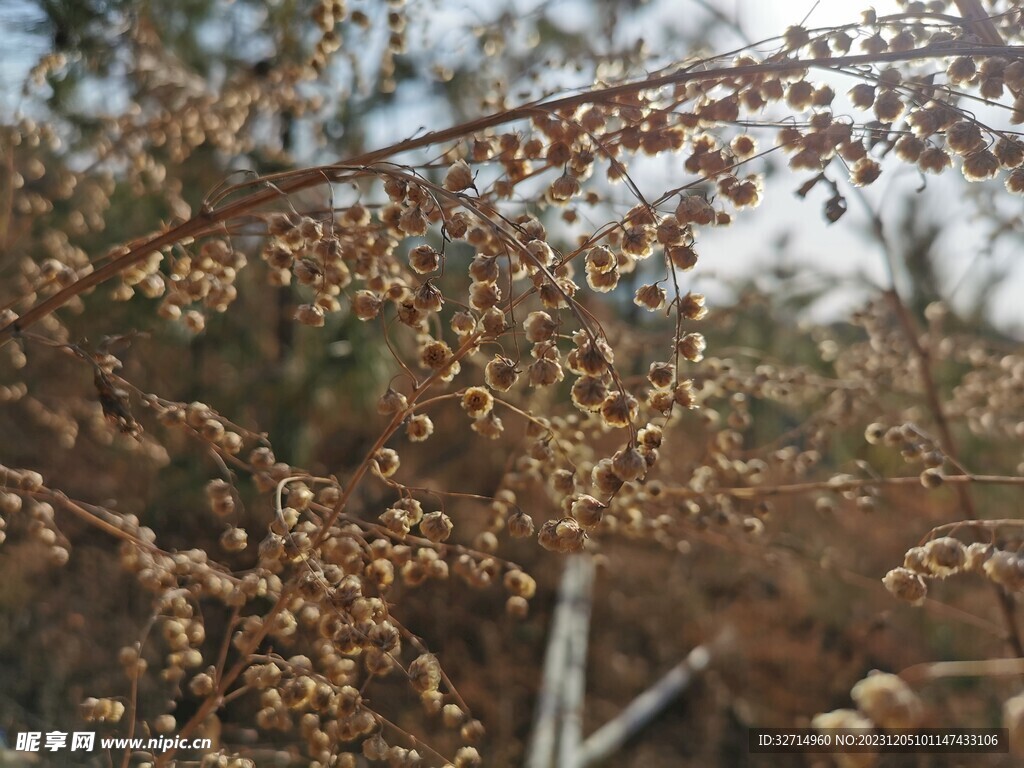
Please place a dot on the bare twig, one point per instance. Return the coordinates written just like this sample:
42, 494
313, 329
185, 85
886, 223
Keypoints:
563, 677
607, 739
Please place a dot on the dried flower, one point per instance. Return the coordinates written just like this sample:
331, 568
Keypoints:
539, 327
310, 314
419, 428
628, 464
906, 585
619, 409
435, 355
477, 402
650, 297
520, 524
501, 373
888, 701
436, 526
691, 346
489, 426
458, 177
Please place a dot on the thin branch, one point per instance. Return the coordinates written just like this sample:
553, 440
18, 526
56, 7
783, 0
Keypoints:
609, 738
574, 682
556, 676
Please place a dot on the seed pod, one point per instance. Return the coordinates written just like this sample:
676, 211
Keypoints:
888, 701
425, 673
436, 526
500, 374
520, 524
458, 177
906, 585
628, 464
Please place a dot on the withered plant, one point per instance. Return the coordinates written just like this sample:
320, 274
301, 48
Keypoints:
508, 291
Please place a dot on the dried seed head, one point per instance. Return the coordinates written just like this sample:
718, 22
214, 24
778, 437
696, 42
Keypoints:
477, 402
684, 395
1005, 569
691, 346
386, 462
425, 673
563, 481
1009, 152
915, 560
413, 222
517, 607
683, 257
539, 327
650, 436
463, 323
467, 757
888, 701
603, 282
932, 477
588, 511
862, 95
904, 584
874, 433
661, 375
841, 718
493, 322
909, 148
628, 464
520, 524
944, 556
934, 160
1015, 181
519, 583
458, 177
436, 526
588, 393
964, 137
564, 188
961, 69
391, 402
435, 355
483, 296
419, 428
427, 298
601, 259
976, 556
563, 535
888, 106
650, 297
694, 209
490, 426
366, 305
865, 171
604, 479
424, 259
484, 269
310, 314
234, 539
980, 166
500, 374
545, 372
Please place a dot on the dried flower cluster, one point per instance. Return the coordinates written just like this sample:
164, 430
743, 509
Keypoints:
484, 262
